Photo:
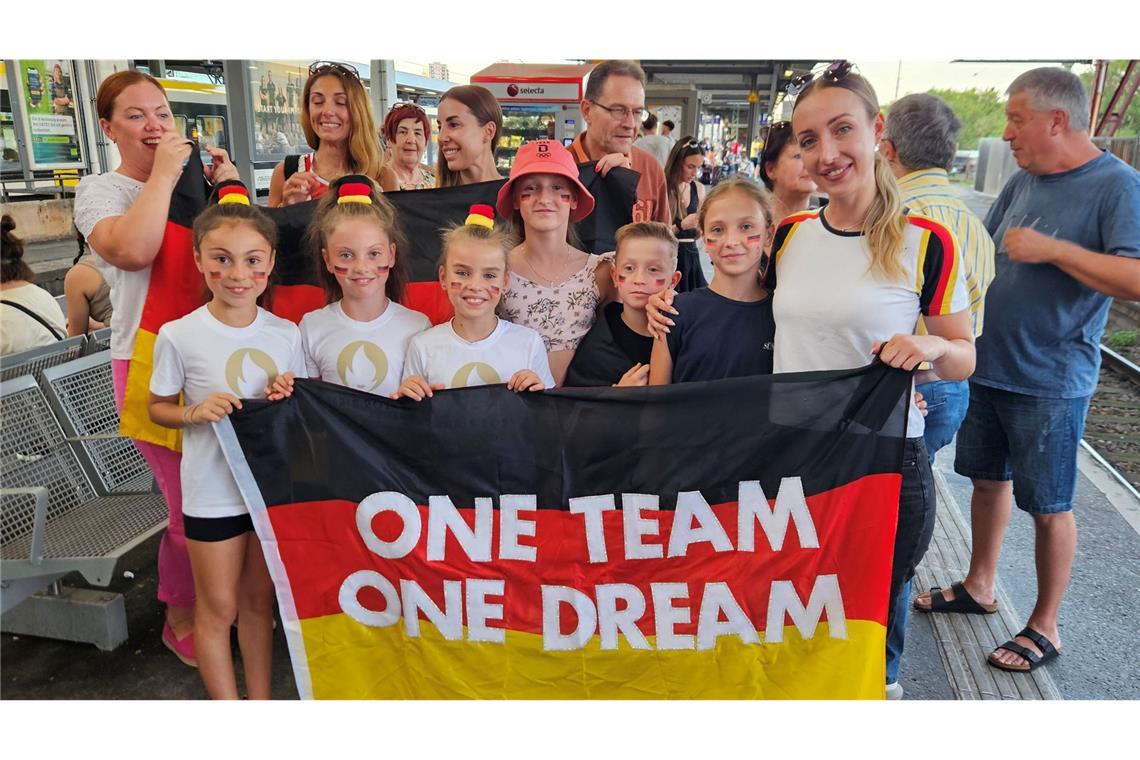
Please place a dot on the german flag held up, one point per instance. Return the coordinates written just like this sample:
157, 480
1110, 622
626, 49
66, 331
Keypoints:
724, 540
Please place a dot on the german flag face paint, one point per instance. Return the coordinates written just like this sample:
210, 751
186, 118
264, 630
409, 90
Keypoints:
360, 254
474, 277
735, 231
642, 268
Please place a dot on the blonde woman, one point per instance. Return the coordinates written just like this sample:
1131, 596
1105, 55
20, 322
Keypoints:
336, 118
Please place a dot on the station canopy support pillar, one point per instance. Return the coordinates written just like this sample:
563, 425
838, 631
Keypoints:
383, 85
240, 107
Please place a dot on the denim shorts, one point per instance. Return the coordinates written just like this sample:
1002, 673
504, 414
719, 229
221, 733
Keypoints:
1030, 440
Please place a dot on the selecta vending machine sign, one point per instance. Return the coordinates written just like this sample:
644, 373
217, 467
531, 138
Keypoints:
47, 105
540, 92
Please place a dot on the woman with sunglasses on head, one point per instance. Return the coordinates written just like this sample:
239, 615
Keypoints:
685, 197
849, 282
336, 118
470, 126
853, 279
407, 130
782, 171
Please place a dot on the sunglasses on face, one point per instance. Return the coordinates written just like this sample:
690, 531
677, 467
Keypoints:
836, 71
319, 68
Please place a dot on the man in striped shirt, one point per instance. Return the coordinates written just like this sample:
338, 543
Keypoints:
919, 142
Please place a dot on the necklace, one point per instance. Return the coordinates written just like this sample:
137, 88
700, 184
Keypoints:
543, 278
405, 181
848, 228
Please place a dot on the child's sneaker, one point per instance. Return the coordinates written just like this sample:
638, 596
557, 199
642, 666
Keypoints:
183, 648
894, 691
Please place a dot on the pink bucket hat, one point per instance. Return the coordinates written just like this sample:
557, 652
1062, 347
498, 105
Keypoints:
544, 157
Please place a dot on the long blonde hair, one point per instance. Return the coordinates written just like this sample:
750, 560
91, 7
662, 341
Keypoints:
884, 226
364, 154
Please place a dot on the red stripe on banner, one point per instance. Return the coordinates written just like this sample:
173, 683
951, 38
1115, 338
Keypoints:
321, 546
176, 286
946, 264
430, 299
295, 301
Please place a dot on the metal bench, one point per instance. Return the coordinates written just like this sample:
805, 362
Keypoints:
56, 519
81, 395
35, 360
99, 340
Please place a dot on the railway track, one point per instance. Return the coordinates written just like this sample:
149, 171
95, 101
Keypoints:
1112, 429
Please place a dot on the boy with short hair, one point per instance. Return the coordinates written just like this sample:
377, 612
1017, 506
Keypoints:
616, 351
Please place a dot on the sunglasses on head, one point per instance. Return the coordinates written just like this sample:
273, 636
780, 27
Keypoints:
319, 68
408, 104
835, 72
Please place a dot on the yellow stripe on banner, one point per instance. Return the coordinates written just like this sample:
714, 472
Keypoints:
348, 660
134, 420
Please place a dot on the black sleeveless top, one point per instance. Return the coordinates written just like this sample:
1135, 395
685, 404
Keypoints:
689, 235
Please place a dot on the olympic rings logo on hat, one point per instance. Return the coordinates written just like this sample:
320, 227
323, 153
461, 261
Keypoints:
543, 150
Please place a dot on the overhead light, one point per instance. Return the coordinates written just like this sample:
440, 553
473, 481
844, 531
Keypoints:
788, 72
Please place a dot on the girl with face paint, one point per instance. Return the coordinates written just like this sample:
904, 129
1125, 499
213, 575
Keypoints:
725, 329
359, 338
556, 288
204, 364
475, 347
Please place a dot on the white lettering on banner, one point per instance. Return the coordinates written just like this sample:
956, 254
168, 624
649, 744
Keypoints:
634, 527
355, 610
824, 596
553, 597
752, 505
443, 516
591, 507
718, 598
448, 620
511, 526
666, 616
389, 501
479, 610
612, 621
692, 506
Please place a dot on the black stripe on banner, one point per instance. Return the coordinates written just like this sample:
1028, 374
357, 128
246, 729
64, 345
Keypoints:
829, 428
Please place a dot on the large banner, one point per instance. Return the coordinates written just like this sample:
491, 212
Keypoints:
728, 539
47, 102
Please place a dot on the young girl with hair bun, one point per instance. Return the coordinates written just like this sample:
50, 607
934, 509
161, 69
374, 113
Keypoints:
475, 347
359, 339
204, 364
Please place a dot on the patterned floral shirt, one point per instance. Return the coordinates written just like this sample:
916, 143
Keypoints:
562, 315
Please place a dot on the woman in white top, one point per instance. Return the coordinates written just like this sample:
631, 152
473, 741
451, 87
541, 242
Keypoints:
850, 282
123, 215
29, 315
555, 288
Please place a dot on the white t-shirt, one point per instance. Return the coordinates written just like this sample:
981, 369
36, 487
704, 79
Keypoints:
443, 358
829, 308
198, 355
99, 197
18, 331
657, 146
367, 356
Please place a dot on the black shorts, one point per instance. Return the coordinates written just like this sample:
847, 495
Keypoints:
216, 528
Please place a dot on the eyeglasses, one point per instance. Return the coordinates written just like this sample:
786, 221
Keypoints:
621, 113
835, 72
318, 68
774, 128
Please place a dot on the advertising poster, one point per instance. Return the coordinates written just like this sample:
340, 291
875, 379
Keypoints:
276, 96
47, 100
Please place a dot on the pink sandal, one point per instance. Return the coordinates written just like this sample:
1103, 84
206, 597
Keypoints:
182, 648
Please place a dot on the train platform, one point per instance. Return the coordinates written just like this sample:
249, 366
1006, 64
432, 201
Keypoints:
944, 658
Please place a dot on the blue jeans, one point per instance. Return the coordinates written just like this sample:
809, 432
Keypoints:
946, 404
912, 537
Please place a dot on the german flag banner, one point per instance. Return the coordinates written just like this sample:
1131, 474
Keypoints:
176, 287
721, 540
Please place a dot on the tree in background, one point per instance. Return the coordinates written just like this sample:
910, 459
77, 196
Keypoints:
1130, 125
982, 113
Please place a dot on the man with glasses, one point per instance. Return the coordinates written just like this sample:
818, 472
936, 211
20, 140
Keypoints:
613, 109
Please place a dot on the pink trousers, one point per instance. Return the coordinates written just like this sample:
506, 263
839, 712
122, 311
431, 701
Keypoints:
175, 581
